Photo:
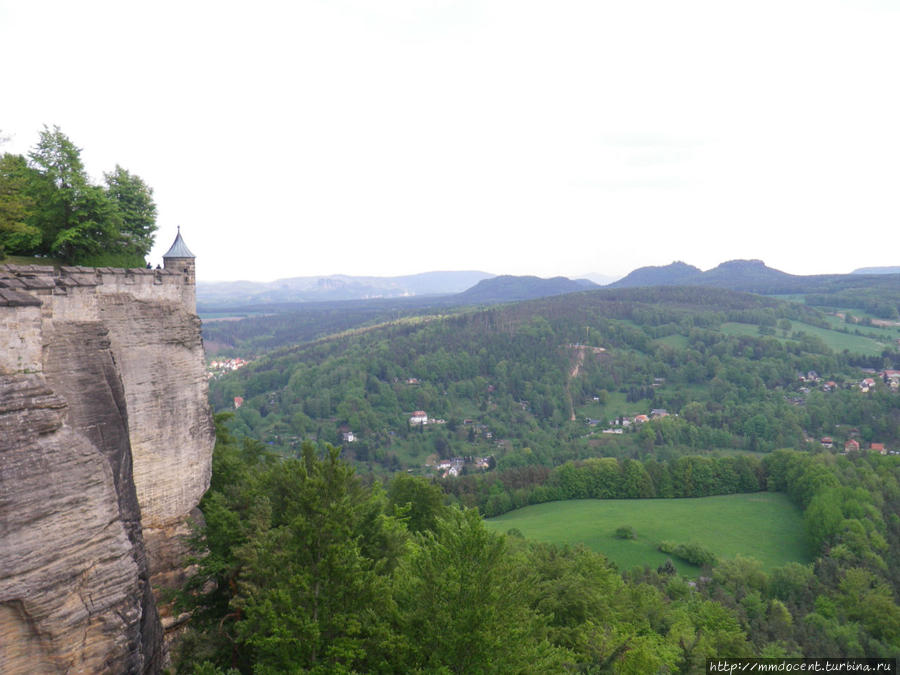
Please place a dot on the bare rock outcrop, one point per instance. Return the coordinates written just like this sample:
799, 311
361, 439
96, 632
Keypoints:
69, 582
159, 354
105, 450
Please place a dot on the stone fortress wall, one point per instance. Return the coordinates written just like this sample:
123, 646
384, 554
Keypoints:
105, 450
70, 293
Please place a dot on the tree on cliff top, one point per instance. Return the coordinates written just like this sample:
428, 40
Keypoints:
134, 200
16, 235
48, 206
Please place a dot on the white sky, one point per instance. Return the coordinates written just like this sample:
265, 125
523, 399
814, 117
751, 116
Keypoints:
387, 137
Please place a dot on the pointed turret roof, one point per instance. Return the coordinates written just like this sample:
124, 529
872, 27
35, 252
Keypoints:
178, 248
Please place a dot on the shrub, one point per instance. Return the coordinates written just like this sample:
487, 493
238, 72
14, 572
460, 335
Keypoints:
693, 553
625, 532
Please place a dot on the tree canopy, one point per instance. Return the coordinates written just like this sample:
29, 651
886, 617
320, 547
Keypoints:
50, 208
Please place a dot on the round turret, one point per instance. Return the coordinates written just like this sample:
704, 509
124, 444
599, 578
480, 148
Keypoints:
180, 259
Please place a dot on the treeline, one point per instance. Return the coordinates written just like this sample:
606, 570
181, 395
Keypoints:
846, 602
883, 302
607, 478
49, 207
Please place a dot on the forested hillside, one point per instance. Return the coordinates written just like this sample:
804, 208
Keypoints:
537, 383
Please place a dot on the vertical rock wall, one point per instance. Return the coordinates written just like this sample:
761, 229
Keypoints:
105, 449
159, 356
69, 583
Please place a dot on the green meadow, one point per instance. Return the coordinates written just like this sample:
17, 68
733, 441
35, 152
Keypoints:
615, 405
837, 341
761, 525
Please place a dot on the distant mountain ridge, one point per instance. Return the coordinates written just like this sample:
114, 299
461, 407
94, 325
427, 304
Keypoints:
507, 288
335, 287
475, 287
666, 275
877, 270
752, 276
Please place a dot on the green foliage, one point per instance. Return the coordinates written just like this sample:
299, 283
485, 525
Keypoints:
309, 596
765, 526
512, 372
625, 532
48, 207
16, 205
465, 604
694, 553
302, 569
419, 503
89, 225
133, 199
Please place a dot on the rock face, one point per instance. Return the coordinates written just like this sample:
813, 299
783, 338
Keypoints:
105, 448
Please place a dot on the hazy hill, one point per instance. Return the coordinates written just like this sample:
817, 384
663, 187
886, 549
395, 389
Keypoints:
667, 275
745, 275
334, 287
877, 270
739, 275
508, 288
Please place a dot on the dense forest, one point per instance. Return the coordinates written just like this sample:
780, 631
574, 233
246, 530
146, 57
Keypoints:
49, 208
304, 568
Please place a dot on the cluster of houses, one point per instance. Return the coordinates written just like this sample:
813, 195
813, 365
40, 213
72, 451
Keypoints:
853, 445
891, 378
448, 468
421, 418
622, 423
219, 366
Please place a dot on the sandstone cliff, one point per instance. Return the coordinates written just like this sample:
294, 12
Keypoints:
105, 448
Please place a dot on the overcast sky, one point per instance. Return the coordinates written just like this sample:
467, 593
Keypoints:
387, 137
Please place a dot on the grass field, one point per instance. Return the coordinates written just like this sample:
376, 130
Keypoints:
883, 333
856, 344
615, 405
762, 525
673, 341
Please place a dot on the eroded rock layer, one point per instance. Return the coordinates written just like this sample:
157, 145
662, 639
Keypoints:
70, 597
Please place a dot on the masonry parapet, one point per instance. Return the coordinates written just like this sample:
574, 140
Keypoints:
27, 284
